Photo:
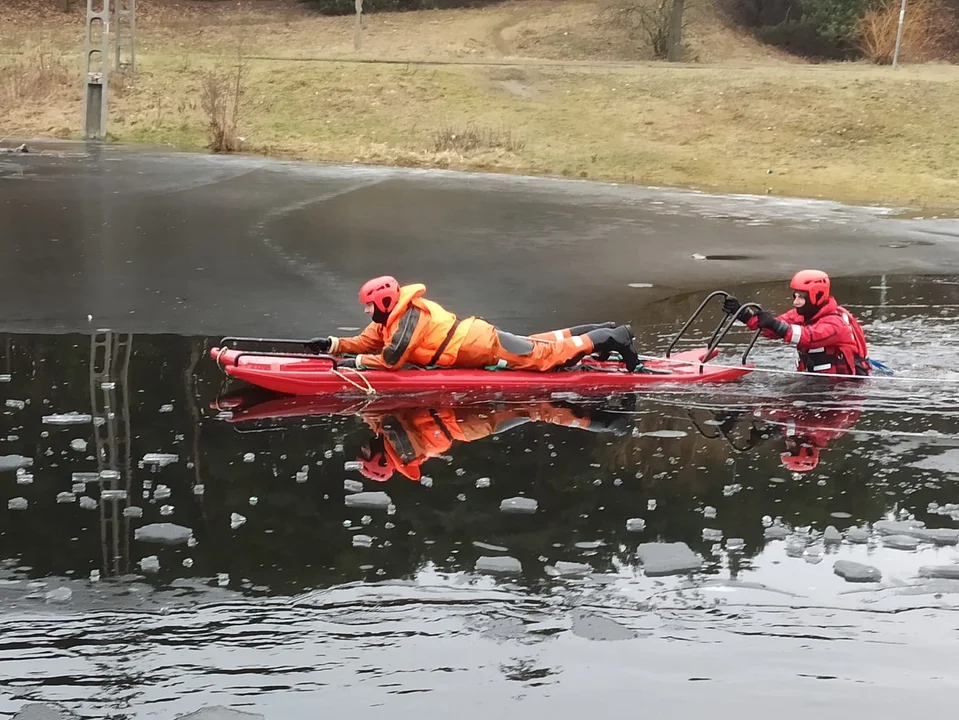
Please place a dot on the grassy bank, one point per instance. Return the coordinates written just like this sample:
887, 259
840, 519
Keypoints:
747, 120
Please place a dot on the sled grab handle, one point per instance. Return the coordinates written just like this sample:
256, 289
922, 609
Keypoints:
692, 318
725, 325
719, 332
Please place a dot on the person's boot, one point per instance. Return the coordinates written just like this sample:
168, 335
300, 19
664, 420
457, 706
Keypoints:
618, 339
583, 329
577, 330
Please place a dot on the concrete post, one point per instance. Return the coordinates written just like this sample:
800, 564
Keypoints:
358, 26
97, 69
125, 32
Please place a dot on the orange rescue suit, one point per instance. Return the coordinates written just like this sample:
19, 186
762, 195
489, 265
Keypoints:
421, 332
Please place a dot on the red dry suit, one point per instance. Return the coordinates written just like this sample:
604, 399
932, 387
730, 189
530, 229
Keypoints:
832, 342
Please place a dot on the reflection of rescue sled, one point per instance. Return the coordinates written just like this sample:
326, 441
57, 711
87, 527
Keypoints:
251, 404
294, 373
407, 432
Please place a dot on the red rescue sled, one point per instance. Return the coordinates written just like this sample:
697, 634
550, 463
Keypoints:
308, 374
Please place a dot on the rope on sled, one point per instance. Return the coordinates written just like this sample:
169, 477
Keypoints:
366, 387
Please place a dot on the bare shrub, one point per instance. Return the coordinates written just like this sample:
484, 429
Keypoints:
473, 138
926, 30
223, 92
649, 19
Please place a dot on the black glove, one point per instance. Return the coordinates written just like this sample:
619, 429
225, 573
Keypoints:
319, 345
346, 363
732, 305
768, 322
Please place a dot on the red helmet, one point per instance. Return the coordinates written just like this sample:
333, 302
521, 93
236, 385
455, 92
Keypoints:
804, 459
383, 292
378, 466
813, 282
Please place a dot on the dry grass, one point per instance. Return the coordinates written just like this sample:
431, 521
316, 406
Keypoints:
927, 27
37, 76
854, 132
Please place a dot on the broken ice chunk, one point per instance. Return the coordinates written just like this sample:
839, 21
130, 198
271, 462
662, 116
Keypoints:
635, 524
856, 572
164, 533
14, 462
113, 494
236, 520
498, 564
159, 459
59, 595
518, 505
900, 542
945, 572
70, 418
735, 544
572, 568
78, 444
88, 503
831, 536
668, 559
66, 497
352, 486
17, 503
369, 500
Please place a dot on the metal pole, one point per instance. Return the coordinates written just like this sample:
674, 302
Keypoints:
902, 17
96, 63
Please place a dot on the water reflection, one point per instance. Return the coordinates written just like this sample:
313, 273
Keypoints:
106, 435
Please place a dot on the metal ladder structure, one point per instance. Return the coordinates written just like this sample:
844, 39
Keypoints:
99, 45
110, 354
125, 29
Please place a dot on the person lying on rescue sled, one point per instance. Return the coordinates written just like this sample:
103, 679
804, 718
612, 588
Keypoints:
405, 438
828, 338
408, 329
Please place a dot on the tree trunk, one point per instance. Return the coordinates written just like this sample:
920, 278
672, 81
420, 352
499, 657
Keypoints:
674, 44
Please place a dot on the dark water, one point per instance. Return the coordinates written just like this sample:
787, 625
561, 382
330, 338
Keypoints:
304, 600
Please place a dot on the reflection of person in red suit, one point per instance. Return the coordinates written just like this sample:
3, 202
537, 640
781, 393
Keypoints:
804, 430
408, 437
